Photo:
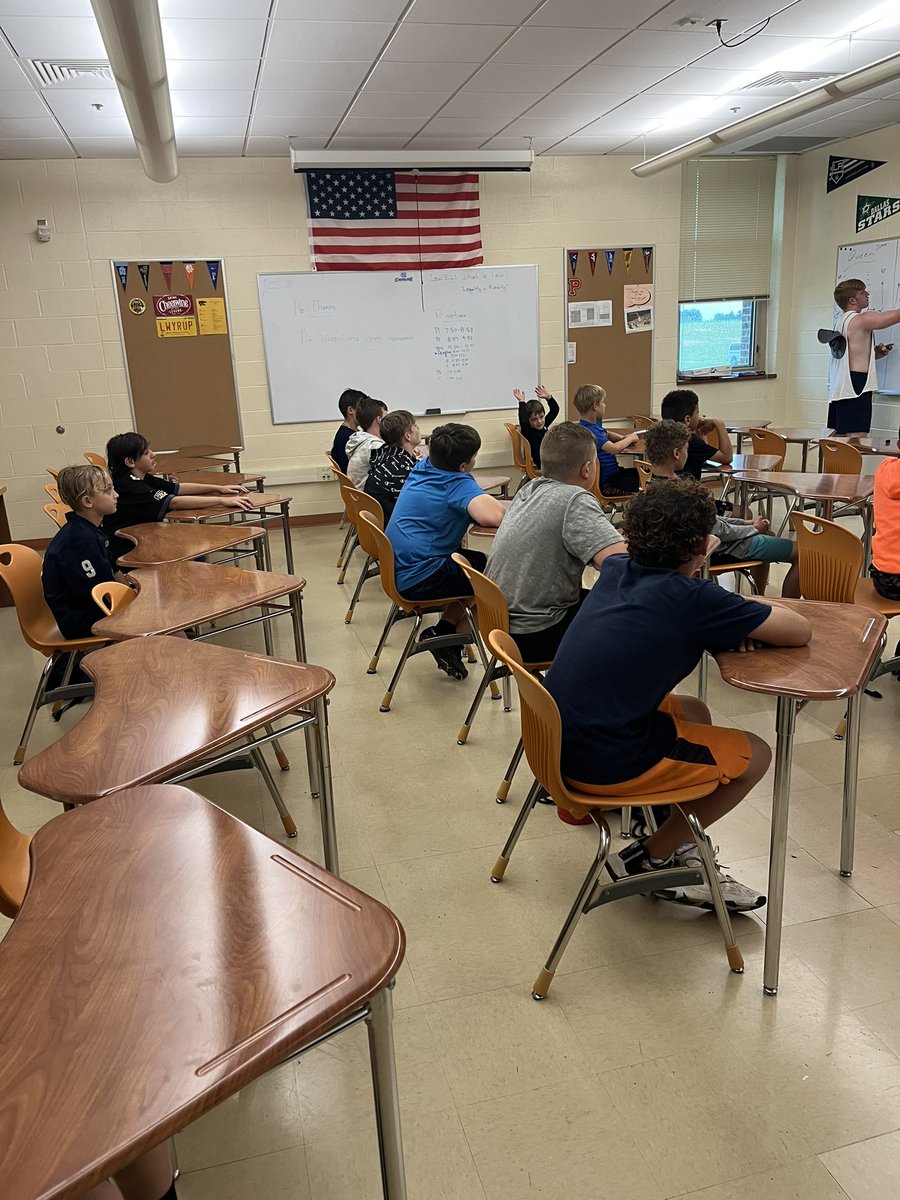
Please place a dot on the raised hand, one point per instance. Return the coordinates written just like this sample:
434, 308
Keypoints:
542, 393
519, 395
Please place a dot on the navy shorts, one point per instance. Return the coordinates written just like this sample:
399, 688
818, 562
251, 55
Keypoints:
449, 580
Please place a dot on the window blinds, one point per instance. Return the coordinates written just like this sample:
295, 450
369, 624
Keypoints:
727, 209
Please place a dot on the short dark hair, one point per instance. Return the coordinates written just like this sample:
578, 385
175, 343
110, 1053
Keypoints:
122, 446
679, 404
396, 425
350, 397
665, 525
663, 439
451, 445
846, 290
533, 406
367, 411
565, 449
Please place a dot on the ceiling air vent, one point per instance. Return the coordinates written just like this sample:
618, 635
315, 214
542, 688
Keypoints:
787, 79
64, 71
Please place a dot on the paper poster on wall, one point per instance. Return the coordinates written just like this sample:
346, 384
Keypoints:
174, 316
589, 314
571, 350
211, 315
638, 303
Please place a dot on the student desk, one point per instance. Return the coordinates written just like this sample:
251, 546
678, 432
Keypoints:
804, 437
172, 465
869, 445
747, 462
167, 955
845, 645
742, 428
166, 708
156, 543
179, 595
206, 476
490, 483
266, 508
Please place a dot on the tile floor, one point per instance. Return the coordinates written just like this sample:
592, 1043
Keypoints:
651, 1072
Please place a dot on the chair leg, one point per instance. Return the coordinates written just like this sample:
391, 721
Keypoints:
625, 822
39, 691
351, 530
398, 670
283, 761
506, 853
364, 575
732, 950
463, 734
503, 789
353, 544
507, 694
585, 892
269, 780
391, 618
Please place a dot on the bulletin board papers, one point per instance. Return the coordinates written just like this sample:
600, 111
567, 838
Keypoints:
589, 314
211, 315
571, 352
638, 307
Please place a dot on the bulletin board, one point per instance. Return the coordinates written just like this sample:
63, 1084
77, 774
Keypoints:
176, 334
610, 317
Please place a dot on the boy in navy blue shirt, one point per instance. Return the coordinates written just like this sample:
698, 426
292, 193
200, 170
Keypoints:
533, 421
635, 736
347, 403
590, 404
436, 505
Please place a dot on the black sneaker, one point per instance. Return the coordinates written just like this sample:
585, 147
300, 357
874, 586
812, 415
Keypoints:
632, 860
448, 659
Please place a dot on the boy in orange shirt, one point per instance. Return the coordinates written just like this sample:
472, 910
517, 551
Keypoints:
885, 568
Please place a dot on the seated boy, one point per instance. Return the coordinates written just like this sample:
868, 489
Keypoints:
350, 397
666, 450
78, 557
683, 405
144, 496
533, 422
552, 530
390, 464
436, 505
630, 735
885, 568
361, 444
590, 404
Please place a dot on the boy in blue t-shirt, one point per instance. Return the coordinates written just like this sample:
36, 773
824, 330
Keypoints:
636, 736
590, 404
435, 507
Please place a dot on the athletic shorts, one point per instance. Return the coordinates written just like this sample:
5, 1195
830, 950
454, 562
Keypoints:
855, 414
764, 546
702, 754
885, 584
542, 645
624, 481
447, 581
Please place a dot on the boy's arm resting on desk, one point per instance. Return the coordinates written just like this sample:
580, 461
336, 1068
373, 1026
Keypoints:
211, 489
207, 501
486, 510
618, 443
782, 627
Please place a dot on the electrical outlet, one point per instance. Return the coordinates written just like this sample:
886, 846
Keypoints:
325, 474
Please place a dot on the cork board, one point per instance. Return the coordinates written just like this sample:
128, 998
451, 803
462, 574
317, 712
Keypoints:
605, 353
176, 334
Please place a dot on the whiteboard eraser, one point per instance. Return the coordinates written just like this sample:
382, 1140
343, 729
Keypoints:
432, 412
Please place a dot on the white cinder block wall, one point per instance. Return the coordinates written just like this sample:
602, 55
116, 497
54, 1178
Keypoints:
60, 354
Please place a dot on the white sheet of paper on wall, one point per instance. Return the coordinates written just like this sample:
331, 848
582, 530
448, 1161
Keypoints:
570, 351
589, 314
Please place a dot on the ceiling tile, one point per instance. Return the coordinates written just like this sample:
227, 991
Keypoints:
538, 145
824, 18
492, 104
540, 127
219, 39
54, 37
509, 77
35, 148
28, 127
863, 51
462, 126
327, 41
381, 126
46, 8
211, 104
206, 127
647, 48
302, 104
94, 125
12, 77
446, 43
604, 79
75, 103
471, 12
588, 14
587, 145
534, 44
270, 147
21, 104
399, 104
579, 108
290, 75
765, 54
739, 14
209, 10
368, 143
217, 76
282, 127
105, 147
340, 10
211, 147
420, 77
700, 81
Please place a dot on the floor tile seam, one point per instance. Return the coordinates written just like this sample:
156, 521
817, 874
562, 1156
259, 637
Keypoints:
226, 1162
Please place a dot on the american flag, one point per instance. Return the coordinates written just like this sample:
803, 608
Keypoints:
389, 221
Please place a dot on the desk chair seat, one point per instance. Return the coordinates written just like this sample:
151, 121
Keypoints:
20, 570
402, 606
542, 739
356, 502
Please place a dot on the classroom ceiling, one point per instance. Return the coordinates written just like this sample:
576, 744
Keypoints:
636, 77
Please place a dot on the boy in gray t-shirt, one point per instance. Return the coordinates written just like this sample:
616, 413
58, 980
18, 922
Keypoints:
553, 529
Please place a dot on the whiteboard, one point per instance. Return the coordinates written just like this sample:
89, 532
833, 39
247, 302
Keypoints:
876, 264
454, 340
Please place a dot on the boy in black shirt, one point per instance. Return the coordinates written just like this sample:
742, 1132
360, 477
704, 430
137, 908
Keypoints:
683, 405
145, 497
350, 397
390, 464
533, 422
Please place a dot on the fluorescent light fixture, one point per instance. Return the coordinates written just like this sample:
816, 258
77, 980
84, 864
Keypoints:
132, 35
884, 71
412, 160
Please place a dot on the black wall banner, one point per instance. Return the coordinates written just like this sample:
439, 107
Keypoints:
845, 170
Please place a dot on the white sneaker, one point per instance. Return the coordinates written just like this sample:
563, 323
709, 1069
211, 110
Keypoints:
738, 897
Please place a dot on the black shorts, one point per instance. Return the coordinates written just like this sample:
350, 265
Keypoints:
885, 584
622, 482
542, 645
449, 580
855, 414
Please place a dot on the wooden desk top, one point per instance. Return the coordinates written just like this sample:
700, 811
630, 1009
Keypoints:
812, 485
749, 462
486, 482
488, 530
257, 500
165, 956
870, 445
174, 596
202, 451
174, 464
805, 433
158, 543
745, 426
846, 641
161, 703
208, 476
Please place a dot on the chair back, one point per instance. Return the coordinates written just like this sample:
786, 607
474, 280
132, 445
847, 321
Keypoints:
53, 492
331, 462
830, 559
712, 438
840, 458
20, 570
378, 546
491, 606
15, 866
530, 469
604, 501
96, 460
359, 502
56, 511
642, 422
515, 437
766, 441
55, 474
110, 597
644, 470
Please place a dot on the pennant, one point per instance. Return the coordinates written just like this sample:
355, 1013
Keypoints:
648, 258
213, 268
144, 269
626, 254
122, 272
189, 272
845, 170
592, 259
573, 261
166, 268
872, 209
610, 259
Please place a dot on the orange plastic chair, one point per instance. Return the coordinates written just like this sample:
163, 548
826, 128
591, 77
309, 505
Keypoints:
530, 469
644, 470
642, 422
96, 460
400, 606
519, 445
15, 866
53, 492
542, 739
55, 474
113, 596
766, 441
358, 502
56, 511
613, 503
334, 469
20, 570
840, 458
350, 538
